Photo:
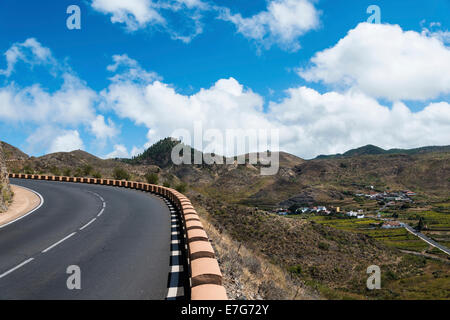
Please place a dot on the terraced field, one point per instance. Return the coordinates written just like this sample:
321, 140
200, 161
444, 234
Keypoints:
437, 222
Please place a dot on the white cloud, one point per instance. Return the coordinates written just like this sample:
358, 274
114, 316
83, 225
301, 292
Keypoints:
72, 104
282, 23
385, 62
69, 107
127, 69
51, 139
137, 151
103, 130
144, 14
135, 14
158, 107
312, 123
67, 141
120, 151
30, 51
434, 30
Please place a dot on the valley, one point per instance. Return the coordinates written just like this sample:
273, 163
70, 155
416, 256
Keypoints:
316, 254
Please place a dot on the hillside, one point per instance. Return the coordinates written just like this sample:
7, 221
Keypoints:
12, 153
5, 191
317, 259
323, 180
374, 150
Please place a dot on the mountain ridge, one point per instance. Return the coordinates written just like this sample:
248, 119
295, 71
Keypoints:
374, 150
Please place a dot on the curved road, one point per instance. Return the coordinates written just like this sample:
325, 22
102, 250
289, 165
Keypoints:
120, 239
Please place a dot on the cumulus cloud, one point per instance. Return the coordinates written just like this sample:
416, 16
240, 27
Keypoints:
309, 123
283, 22
30, 51
158, 107
103, 130
67, 141
135, 14
120, 151
180, 18
72, 104
53, 139
384, 61
312, 123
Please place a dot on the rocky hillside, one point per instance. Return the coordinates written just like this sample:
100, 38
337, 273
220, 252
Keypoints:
323, 181
12, 153
318, 181
5, 191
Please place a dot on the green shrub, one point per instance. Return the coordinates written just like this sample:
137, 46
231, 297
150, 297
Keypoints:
324, 246
87, 169
27, 169
297, 269
182, 187
151, 178
78, 172
121, 174
97, 175
55, 171
67, 172
166, 184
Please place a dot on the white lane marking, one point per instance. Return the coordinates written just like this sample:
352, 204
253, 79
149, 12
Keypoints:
176, 253
103, 205
87, 224
16, 267
59, 242
40, 205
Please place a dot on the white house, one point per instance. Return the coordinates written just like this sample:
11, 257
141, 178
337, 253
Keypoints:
352, 214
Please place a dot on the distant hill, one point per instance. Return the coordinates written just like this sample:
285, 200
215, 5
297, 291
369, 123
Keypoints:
374, 150
158, 154
12, 153
326, 179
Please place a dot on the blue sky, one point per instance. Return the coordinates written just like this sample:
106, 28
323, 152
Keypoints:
220, 42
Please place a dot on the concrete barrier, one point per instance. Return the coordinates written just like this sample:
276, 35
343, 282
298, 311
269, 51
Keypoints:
204, 270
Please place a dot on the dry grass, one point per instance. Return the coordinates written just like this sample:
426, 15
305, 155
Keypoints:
248, 275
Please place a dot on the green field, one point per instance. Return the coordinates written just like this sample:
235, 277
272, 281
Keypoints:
395, 238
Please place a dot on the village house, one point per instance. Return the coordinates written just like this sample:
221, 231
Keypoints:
392, 225
357, 214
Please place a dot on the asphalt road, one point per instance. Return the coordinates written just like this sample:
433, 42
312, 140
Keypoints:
427, 240
119, 238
